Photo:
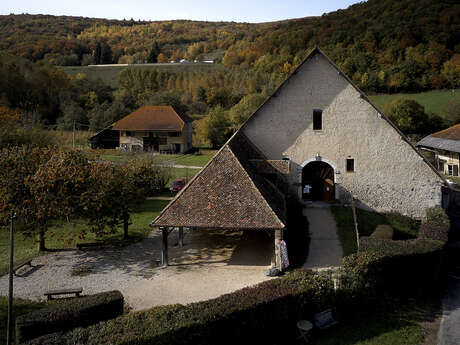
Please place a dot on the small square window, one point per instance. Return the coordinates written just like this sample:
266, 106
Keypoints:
128, 133
350, 165
317, 119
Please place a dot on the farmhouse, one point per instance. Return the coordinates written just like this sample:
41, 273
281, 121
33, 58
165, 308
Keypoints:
317, 138
149, 128
445, 145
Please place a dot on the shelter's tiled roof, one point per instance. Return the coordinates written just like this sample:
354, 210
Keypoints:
447, 139
226, 194
162, 118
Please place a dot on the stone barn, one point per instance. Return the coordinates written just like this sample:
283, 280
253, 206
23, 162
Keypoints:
317, 138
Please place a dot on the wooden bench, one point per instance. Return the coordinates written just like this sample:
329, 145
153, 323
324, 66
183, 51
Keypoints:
324, 319
22, 264
81, 246
51, 293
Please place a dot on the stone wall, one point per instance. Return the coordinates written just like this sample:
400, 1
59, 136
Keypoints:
389, 174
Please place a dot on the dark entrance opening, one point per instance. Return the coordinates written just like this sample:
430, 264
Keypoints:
318, 182
151, 144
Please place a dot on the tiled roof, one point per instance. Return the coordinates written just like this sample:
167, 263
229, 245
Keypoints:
447, 139
226, 194
162, 118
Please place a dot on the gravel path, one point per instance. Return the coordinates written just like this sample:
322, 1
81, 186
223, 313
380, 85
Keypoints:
325, 249
132, 271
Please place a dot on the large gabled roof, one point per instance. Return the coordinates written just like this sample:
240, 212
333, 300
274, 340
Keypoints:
316, 51
447, 139
226, 194
160, 118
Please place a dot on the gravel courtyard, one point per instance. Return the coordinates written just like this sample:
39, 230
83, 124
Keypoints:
210, 264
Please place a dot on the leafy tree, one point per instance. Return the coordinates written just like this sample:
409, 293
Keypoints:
154, 52
55, 190
452, 111
97, 53
18, 166
240, 112
168, 98
408, 115
72, 112
218, 127
106, 54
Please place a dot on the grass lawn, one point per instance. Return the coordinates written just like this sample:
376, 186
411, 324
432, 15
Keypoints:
179, 159
20, 307
433, 101
193, 160
413, 322
404, 227
66, 235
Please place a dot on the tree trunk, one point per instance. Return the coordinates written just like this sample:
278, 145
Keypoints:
41, 240
125, 225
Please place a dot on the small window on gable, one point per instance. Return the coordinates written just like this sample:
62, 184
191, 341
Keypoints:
317, 119
350, 165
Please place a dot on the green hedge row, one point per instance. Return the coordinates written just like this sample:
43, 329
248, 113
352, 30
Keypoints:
269, 311
394, 267
67, 314
254, 314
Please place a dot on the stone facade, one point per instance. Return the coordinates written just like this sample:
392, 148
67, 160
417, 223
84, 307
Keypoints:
388, 173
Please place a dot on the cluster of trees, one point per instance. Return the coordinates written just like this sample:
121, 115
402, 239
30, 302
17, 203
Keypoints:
41, 185
383, 45
410, 116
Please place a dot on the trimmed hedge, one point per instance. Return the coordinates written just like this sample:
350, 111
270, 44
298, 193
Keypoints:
67, 314
396, 267
268, 312
264, 312
434, 232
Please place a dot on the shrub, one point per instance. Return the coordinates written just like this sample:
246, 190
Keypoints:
395, 267
437, 216
383, 231
247, 315
68, 314
433, 232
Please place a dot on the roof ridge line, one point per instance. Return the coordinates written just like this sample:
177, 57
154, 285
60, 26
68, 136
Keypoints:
255, 186
190, 182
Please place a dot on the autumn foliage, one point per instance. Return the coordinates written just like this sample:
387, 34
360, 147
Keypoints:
41, 185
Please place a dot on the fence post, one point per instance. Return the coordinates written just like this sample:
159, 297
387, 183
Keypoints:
355, 220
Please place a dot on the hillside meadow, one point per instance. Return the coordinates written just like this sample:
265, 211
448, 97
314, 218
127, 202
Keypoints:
110, 75
433, 101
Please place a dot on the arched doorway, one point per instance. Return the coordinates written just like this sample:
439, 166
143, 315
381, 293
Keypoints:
318, 181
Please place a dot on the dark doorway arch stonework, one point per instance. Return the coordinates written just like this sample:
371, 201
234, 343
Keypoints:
318, 181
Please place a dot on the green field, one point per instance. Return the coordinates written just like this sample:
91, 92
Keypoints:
433, 101
66, 235
110, 74
178, 159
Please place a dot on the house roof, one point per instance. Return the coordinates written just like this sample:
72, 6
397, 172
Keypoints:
160, 118
447, 139
226, 194
316, 51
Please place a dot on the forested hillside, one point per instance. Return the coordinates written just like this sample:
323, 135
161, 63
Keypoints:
384, 45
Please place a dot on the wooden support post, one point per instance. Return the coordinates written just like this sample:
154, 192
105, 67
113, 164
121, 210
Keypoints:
181, 237
355, 220
277, 258
164, 252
